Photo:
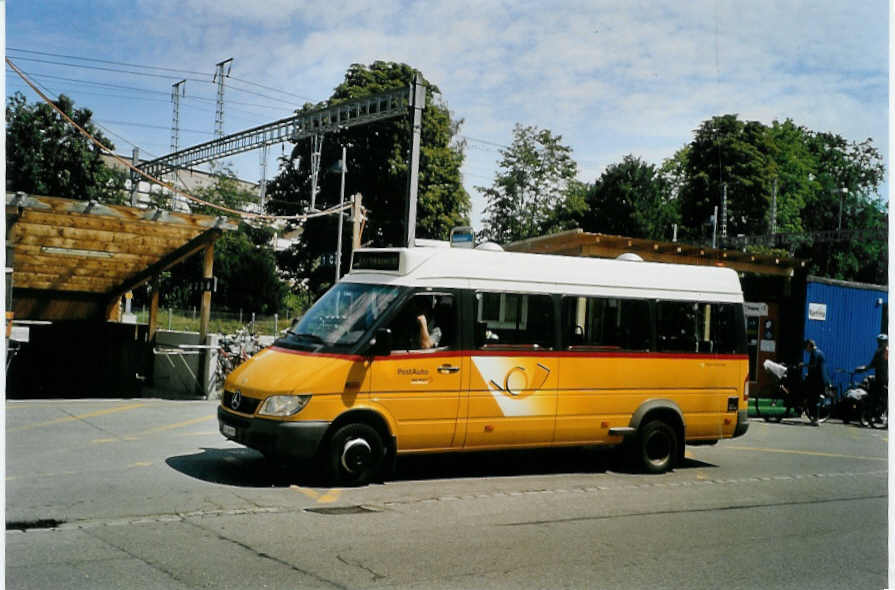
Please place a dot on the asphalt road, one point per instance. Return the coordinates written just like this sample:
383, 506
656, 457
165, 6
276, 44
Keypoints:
147, 494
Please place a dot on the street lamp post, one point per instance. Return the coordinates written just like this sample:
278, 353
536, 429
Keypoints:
842, 192
341, 205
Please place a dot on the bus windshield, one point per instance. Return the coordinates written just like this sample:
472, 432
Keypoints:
341, 317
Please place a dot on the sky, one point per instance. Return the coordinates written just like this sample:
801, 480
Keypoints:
611, 78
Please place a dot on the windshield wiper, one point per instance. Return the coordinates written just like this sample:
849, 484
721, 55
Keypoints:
312, 337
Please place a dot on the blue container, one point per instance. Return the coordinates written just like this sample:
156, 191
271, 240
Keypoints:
844, 319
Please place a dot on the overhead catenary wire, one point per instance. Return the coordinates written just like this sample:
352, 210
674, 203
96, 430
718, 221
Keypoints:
160, 68
203, 80
166, 93
241, 214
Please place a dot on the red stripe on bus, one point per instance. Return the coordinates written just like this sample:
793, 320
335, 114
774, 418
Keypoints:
518, 353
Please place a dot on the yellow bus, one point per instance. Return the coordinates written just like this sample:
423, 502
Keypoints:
423, 350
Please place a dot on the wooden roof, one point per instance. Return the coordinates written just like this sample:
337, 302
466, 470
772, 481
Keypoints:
74, 259
577, 242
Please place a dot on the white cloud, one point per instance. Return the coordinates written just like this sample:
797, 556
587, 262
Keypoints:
611, 77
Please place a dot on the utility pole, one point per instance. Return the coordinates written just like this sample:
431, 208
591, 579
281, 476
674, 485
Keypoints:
417, 103
263, 184
715, 228
340, 215
316, 147
357, 217
176, 89
724, 214
135, 178
219, 78
841, 191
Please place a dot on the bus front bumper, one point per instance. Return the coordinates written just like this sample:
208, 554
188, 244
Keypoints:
294, 440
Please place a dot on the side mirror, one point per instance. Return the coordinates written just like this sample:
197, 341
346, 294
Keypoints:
381, 343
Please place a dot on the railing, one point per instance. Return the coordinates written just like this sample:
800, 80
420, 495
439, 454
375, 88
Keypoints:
187, 320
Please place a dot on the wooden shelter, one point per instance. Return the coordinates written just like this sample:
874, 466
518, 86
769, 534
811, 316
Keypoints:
577, 242
72, 261
76, 259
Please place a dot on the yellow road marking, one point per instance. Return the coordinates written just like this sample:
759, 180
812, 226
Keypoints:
108, 440
141, 464
154, 430
177, 425
78, 417
307, 492
812, 453
330, 496
325, 498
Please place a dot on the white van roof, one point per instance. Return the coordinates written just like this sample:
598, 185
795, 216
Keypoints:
541, 273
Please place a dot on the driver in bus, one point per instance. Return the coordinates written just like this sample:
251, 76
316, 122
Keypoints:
429, 333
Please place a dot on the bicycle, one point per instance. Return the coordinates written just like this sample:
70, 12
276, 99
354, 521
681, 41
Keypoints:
795, 400
233, 350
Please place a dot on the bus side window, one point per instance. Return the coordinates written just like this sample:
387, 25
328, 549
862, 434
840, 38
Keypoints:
601, 323
514, 320
677, 326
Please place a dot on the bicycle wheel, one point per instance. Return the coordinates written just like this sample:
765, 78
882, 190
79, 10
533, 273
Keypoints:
824, 409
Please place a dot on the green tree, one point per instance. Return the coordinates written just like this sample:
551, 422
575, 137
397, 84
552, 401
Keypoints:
631, 198
45, 155
821, 182
244, 260
726, 151
377, 167
845, 178
536, 176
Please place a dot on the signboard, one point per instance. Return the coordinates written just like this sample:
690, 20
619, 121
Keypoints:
755, 309
817, 311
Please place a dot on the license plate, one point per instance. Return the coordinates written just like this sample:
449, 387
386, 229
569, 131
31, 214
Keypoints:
228, 430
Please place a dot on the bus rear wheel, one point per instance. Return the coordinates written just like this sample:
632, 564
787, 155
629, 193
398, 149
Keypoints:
355, 454
657, 447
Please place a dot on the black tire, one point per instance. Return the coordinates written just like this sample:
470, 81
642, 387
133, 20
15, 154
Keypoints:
824, 409
657, 447
355, 454
879, 417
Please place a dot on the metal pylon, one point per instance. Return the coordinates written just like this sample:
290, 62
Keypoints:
316, 147
219, 112
176, 90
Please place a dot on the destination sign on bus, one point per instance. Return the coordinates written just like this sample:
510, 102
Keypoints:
376, 261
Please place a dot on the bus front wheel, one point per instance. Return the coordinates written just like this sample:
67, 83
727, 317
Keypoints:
657, 447
356, 454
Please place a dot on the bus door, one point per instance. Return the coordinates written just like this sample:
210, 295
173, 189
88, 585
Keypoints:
511, 392
419, 382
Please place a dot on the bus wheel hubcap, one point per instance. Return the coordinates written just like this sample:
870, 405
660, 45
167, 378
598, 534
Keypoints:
356, 455
657, 448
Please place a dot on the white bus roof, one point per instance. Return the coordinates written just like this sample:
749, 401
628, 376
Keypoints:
540, 273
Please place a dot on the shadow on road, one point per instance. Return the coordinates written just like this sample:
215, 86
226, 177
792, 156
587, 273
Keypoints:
248, 468
234, 467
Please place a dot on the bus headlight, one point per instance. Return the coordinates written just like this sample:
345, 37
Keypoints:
283, 405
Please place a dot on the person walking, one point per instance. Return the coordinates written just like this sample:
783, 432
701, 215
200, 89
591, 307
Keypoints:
815, 379
879, 386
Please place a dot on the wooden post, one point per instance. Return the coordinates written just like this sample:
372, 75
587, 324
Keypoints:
153, 308
205, 316
113, 310
356, 219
